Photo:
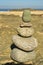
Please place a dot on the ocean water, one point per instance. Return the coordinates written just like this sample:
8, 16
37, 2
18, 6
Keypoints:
5, 9
16, 9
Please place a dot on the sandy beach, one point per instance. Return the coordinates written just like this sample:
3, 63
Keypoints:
40, 12
8, 23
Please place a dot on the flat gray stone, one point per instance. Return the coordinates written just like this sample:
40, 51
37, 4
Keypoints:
25, 31
22, 56
26, 24
26, 44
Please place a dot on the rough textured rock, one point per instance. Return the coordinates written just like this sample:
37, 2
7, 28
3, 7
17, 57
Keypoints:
25, 31
26, 44
26, 24
26, 16
22, 56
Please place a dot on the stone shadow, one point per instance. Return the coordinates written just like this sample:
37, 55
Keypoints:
12, 63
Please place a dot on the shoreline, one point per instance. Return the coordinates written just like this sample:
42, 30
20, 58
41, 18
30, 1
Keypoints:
19, 13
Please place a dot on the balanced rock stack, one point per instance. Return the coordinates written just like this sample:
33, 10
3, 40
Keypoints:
24, 41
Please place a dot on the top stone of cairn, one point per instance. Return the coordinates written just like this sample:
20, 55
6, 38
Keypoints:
26, 16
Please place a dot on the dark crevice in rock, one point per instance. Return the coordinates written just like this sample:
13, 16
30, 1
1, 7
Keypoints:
12, 63
14, 46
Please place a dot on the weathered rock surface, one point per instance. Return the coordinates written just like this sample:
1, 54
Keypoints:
22, 56
25, 31
26, 16
26, 24
26, 44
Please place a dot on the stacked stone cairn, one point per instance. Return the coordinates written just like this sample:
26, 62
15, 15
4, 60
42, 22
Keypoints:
24, 41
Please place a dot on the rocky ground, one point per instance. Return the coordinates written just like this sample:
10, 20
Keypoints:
8, 24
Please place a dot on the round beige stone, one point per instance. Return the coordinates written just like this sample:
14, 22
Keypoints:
27, 44
21, 56
25, 31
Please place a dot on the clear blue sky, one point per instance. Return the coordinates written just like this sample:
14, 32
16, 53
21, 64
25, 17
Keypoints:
21, 4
